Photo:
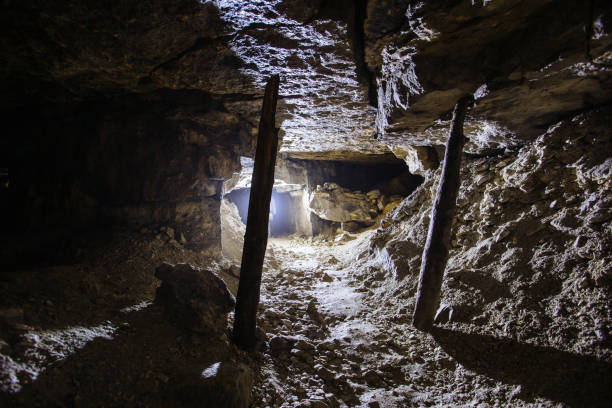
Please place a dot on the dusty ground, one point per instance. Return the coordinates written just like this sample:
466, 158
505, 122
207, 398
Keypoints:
91, 337
338, 339
87, 333
528, 280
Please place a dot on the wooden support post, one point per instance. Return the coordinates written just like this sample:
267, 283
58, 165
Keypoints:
256, 236
437, 246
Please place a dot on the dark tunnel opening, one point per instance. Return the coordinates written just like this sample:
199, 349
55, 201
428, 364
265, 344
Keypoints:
379, 183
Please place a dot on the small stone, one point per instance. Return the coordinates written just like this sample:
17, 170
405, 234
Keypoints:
559, 310
331, 186
304, 345
326, 345
281, 345
599, 216
372, 378
580, 241
502, 234
482, 167
313, 312
324, 373
303, 355
601, 335
444, 314
483, 178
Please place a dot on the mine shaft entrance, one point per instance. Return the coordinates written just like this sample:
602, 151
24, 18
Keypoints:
319, 197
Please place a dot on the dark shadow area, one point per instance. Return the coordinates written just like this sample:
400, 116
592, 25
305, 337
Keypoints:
576, 380
148, 362
391, 176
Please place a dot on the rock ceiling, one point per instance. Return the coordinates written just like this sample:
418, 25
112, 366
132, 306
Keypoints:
526, 63
325, 106
530, 63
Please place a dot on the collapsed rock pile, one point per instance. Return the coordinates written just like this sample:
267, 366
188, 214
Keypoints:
353, 209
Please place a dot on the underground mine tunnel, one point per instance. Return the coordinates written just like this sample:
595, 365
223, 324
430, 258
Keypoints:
129, 134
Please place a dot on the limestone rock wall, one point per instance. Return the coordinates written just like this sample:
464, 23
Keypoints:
135, 161
130, 114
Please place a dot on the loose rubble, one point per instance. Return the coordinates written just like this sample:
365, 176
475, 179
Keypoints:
354, 209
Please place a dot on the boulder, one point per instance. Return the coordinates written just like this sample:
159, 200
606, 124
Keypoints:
195, 298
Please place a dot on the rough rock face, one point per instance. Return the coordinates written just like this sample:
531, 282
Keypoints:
529, 64
117, 114
144, 161
197, 299
89, 47
309, 44
419, 159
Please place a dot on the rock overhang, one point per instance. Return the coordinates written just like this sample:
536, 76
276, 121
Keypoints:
539, 62
530, 58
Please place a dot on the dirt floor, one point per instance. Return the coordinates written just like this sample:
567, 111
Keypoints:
338, 337
87, 334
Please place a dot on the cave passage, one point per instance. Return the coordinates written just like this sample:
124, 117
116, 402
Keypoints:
358, 187
125, 176
282, 213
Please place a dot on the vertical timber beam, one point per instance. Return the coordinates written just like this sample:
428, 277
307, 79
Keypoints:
437, 246
256, 236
